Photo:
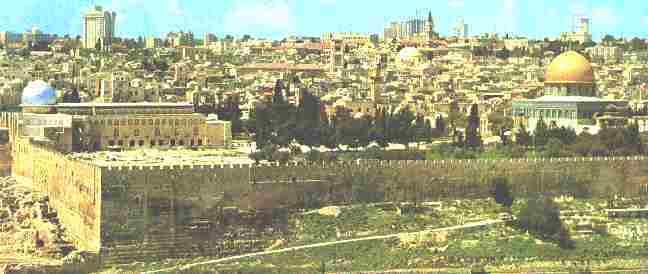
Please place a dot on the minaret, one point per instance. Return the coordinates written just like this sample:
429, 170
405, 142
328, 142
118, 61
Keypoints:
376, 78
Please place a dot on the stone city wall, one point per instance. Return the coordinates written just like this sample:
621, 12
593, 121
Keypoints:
73, 188
179, 211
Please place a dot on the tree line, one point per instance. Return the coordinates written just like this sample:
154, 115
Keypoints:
278, 123
564, 142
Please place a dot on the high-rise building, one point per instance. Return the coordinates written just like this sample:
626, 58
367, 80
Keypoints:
460, 29
98, 28
580, 31
179, 39
414, 27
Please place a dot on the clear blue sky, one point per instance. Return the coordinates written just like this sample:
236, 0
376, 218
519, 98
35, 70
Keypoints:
279, 18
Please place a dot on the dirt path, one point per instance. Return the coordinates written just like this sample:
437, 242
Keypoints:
325, 244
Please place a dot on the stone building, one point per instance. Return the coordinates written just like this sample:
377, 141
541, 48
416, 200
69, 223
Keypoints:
100, 126
570, 97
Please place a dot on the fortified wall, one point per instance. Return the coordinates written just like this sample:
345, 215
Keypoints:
133, 212
73, 188
178, 211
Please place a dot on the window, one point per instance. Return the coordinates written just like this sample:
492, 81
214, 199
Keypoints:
196, 131
163, 122
157, 132
136, 132
131, 143
160, 142
111, 143
200, 142
150, 122
141, 143
157, 122
120, 143
181, 142
116, 132
173, 142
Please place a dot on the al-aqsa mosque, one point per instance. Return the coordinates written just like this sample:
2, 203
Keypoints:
570, 97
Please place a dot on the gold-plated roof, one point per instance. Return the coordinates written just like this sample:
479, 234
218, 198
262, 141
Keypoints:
570, 67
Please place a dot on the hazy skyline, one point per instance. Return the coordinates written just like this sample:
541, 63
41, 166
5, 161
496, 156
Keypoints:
280, 18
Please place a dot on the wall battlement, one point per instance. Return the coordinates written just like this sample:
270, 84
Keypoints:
378, 163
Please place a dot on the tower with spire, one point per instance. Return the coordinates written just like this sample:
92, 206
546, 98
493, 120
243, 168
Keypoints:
429, 28
376, 80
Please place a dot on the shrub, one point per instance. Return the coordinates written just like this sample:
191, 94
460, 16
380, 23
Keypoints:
501, 191
541, 217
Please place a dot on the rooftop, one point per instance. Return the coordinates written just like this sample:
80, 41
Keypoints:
169, 157
567, 99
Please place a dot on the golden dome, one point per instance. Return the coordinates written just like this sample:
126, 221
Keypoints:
570, 67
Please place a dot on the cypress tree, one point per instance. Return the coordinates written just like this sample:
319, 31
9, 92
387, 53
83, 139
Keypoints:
541, 134
473, 138
523, 138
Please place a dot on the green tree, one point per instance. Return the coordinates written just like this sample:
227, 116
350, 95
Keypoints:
541, 134
554, 148
430, 132
377, 132
608, 39
420, 131
501, 191
261, 125
523, 138
439, 126
327, 135
632, 140
456, 118
308, 120
401, 127
589, 44
473, 138
613, 139
283, 117
540, 216
497, 122
637, 44
230, 111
